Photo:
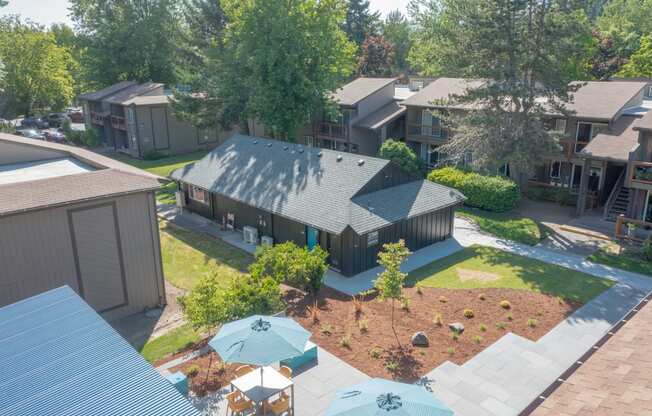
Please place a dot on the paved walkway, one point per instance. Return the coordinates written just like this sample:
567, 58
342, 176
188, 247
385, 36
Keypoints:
314, 387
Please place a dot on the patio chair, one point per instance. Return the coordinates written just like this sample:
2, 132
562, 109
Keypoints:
279, 406
242, 370
238, 404
286, 372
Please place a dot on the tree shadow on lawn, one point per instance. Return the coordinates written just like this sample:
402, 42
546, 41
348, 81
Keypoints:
570, 285
212, 248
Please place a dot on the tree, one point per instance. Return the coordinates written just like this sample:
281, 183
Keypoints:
428, 37
626, 21
528, 52
360, 22
376, 57
279, 62
640, 63
390, 282
605, 61
210, 303
293, 265
65, 37
396, 30
128, 39
401, 154
36, 69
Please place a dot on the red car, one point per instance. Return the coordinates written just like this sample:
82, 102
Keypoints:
76, 116
54, 136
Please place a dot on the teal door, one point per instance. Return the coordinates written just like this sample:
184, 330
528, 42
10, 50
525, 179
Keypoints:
312, 237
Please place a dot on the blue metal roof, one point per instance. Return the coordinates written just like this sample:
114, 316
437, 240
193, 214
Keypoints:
59, 357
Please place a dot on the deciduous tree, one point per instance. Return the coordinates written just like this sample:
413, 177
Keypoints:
640, 63
396, 30
605, 60
390, 282
399, 153
376, 57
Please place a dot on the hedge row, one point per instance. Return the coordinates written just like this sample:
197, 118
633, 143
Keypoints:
492, 193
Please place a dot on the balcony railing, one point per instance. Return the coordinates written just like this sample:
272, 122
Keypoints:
118, 123
331, 130
424, 130
572, 146
97, 118
642, 172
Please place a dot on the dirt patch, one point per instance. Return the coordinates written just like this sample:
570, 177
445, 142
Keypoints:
375, 351
466, 275
212, 374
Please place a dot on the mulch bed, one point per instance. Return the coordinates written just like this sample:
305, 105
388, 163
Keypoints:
338, 320
207, 381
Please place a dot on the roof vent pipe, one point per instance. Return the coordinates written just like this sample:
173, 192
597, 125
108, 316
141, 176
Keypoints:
320, 154
360, 162
285, 148
339, 158
269, 145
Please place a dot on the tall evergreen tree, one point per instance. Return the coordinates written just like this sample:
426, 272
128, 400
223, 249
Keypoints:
528, 52
128, 39
360, 22
396, 30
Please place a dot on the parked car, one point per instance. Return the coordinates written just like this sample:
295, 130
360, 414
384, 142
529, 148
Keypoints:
56, 119
75, 115
31, 134
34, 122
54, 136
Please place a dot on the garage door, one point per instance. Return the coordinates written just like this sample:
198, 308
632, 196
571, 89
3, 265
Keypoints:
100, 269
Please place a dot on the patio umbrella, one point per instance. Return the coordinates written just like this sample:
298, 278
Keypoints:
382, 397
260, 340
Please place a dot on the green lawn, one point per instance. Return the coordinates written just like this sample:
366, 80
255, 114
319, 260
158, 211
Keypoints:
624, 261
162, 167
188, 255
484, 267
506, 225
174, 341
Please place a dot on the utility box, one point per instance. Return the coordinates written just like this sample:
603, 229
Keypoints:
179, 381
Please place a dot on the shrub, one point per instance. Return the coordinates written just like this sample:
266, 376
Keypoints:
483, 327
450, 350
363, 325
345, 341
401, 154
313, 312
553, 194
477, 339
509, 317
209, 303
192, 371
375, 352
221, 367
500, 325
532, 323
419, 289
646, 250
391, 366
455, 335
438, 320
357, 305
326, 329
468, 313
492, 193
288, 263
153, 155
405, 303
505, 304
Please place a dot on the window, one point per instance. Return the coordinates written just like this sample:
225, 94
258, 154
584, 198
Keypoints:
560, 125
309, 141
328, 144
372, 239
555, 169
342, 146
131, 117
647, 213
585, 133
354, 148
468, 159
197, 194
504, 170
430, 125
431, 155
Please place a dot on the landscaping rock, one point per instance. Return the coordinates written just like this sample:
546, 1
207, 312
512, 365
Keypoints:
456, 327
420, 339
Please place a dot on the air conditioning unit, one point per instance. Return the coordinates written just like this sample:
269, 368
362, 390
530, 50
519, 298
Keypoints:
267, 240
181, 199
250, 235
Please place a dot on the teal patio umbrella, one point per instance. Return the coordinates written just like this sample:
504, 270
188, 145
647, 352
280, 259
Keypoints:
378, 397
260, 340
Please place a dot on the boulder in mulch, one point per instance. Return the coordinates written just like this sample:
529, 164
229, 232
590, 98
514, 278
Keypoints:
420, 339
456, 327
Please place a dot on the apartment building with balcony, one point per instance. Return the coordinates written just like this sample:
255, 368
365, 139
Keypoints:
137, 119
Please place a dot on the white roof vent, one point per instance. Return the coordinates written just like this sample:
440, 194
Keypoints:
360, 162
255, 141
269, 145
286, 147
339, 158
320, 154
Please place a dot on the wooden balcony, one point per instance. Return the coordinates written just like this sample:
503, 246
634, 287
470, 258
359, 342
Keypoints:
572, 146
331, 130
97, 118
118, 123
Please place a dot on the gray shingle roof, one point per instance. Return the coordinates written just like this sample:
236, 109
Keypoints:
603, 99
359, 89
105, 92
382, 116
379, 209
128, 94
644, 123
615, 143
59, 357
442, 89
308, 185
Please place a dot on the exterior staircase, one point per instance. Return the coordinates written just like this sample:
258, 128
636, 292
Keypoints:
618, 201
